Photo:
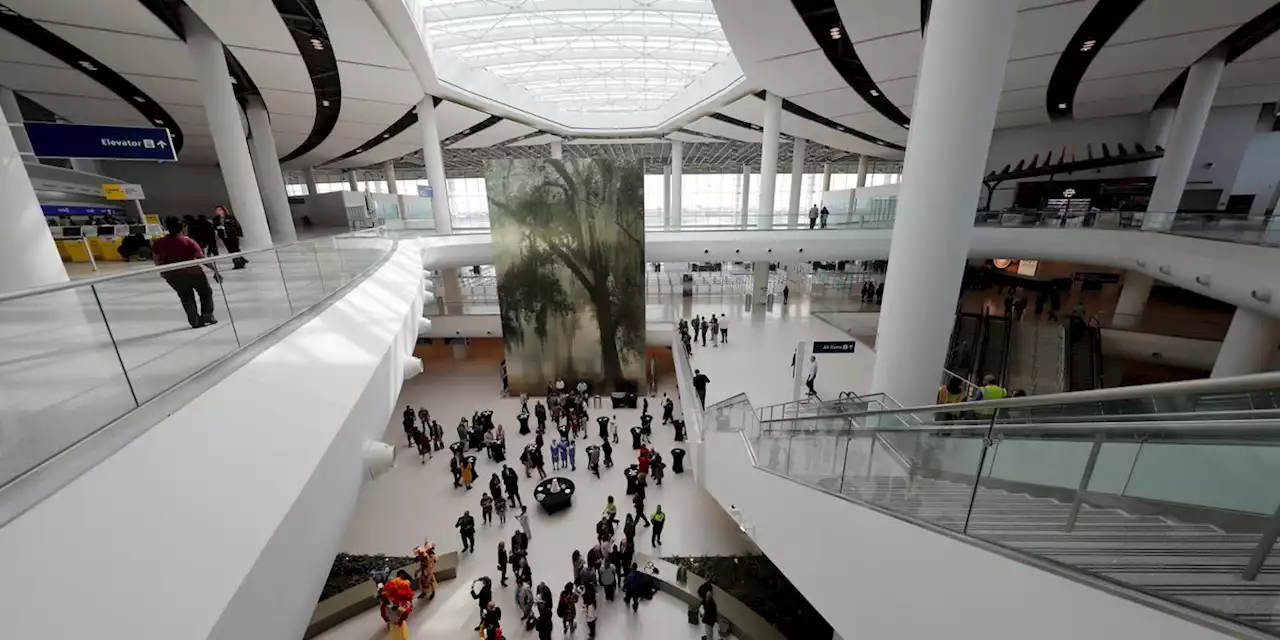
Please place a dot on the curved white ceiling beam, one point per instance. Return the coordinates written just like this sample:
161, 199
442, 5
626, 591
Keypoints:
492, 95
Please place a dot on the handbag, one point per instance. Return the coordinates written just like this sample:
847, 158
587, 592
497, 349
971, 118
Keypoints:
694, 618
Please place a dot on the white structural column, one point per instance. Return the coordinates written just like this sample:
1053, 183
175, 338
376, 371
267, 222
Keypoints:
209, 62
351, 181
746, 196
267, 169
557, 150
961, 72
677, 184
666, 197
13, 115
760, 283
797, 177
1250, 345
1184, 137
1159, 125
312, 189
862, 171
769, 159
434, 160
389, 175
28, 257
826, 177
451, 301
1133, 299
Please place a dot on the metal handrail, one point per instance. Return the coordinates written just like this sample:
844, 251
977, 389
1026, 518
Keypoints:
1237, 384
1154, 427
88, 282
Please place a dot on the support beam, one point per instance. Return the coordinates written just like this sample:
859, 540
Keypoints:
351, 181
28, 256
966, 50
1250, 345
557, 150
1133, 300
769, 159
434, 160
797, 178
666, 197
677, 184
312, 188
1184, 137
267, 169
746, 197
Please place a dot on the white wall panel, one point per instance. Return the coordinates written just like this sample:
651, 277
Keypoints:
797, 74
379, 83
834, 103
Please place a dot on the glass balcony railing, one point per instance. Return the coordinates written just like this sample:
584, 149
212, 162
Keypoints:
79, 355
1171, 490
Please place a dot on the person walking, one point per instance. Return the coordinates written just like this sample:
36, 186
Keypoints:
668, 409
486, 509
495, 488
813, 216
502, 562
483, 594
710, 614
822, 216
189, 283
703, 327
700, 381
540, 463
659, 520
227, 228
715, 331
544, 624
567, 609
786, 293
540, 412
611, 510
724, 329
512, 481
589, 610
608, 580
523, 519
813, 375
468, 473
880, 293
466, 526
631, 586
456, 468
500, 505
638, 501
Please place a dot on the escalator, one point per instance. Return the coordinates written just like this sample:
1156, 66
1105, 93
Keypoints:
962, 351
993, 348
1084, 355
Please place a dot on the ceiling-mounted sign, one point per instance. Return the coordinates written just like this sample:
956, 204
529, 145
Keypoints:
100, 142
834, 346
122, 191
424, 191
69, 210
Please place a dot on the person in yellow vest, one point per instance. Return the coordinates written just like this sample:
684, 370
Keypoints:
659, 521
989, 391
950, 393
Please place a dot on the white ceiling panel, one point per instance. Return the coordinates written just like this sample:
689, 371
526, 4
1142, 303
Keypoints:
762, 30
901, 91
536, 140
130, 53
496, 134
371, 111
1139, 84
875, 125
1021, 118
401, 144
357, 35
186, 115
91, 110
15, 49
1030, 72
294, 103
1254, 94
357, 130
329, 149
452, 118
834, 103
273, 70
867, 19
1154, 20
168, 90
1176, 52
1269, 48
1114, 107
292, 123
126, 16
30, 78
822, 134
1023, 99
892, 57
286, 142
1252, 72
246, 23
746, 108
724, 129
1047, 30
799, 74
379, 83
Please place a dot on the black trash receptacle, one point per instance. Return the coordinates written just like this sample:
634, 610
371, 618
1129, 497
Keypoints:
677, 460
679, 426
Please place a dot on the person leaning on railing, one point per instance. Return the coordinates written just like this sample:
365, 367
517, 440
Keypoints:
187, 282
988, 391
950, 393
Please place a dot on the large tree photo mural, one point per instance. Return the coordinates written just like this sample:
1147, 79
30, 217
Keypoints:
568, 244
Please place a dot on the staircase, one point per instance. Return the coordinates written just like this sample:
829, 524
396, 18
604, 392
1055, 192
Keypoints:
1197, 564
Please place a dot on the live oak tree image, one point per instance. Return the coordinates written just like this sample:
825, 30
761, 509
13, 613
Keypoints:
568, 241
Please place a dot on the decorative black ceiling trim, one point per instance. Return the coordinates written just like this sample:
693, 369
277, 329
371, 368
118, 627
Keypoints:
407, 120
531, 134
469, 131
33, 111
1102, 22
52, 44
925, 7
742, 123
823, 19
305, 24
797, 110
1236, 44
169, 12
710, 136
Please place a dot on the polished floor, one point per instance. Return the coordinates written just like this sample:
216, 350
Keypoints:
415, 501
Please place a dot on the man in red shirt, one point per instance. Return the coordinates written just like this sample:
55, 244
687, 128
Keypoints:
189, 281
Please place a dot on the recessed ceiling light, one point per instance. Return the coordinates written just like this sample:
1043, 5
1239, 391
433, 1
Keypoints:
88, 65
1087, 45
874, 92
139, 99
158, 121
906, 126
835, 32
386, 135
1062, 105
324, 103
317, 44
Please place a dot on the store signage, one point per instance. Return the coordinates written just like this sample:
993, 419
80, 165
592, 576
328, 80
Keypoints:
424, 191
100, 142
122, 191
56, 210
839, 346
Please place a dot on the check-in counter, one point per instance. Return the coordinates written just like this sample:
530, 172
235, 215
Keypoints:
102, 242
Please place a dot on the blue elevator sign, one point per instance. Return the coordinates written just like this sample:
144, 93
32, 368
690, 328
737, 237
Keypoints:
57, 140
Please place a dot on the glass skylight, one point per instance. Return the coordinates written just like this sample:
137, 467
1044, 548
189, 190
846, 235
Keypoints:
583, 55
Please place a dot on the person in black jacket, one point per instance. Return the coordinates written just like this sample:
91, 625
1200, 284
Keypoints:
512, 481
482, 591
201, 230
228, 230
710, 613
